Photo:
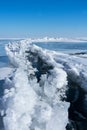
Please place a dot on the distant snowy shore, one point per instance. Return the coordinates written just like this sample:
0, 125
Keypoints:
49, 39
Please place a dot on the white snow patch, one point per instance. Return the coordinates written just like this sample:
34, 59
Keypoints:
5, 72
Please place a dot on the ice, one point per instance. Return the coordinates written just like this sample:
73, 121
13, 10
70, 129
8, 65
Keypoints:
38, 86
5, 72
59, 116
34, 98
19, 103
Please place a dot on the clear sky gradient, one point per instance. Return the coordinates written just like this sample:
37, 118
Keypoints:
39, 18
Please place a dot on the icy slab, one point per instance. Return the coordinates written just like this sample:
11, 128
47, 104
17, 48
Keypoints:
59, 116
34, 98
19, 103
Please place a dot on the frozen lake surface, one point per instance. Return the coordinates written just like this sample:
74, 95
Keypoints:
64, 46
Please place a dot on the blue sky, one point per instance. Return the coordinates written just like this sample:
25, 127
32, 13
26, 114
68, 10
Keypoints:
39, 18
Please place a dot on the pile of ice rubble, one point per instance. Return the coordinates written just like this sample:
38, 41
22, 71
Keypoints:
34, 95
